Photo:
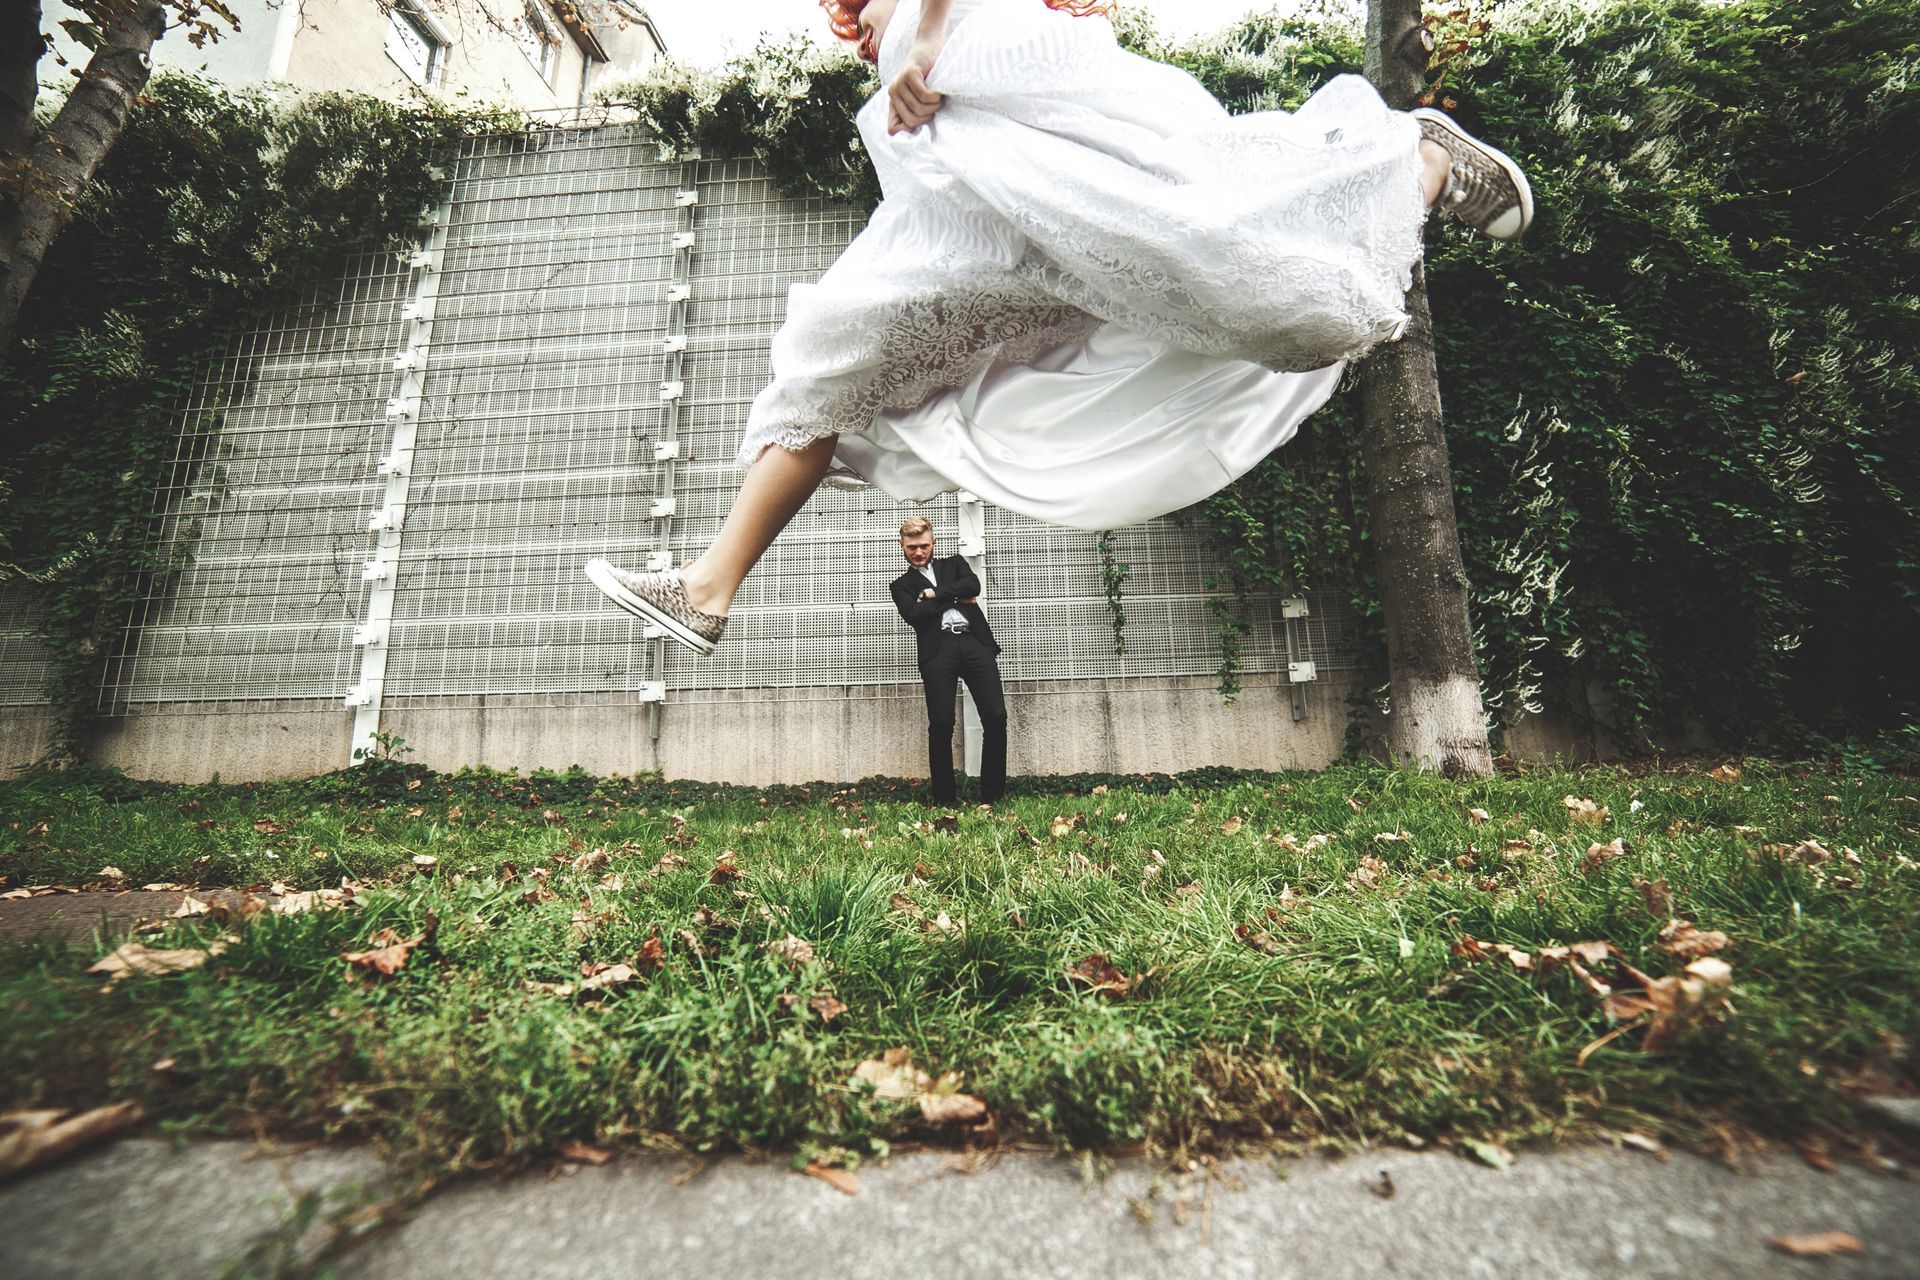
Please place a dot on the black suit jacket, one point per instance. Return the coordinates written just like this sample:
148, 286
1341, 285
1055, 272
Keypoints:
953, 582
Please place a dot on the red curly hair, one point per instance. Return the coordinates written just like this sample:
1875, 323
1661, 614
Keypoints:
844, 17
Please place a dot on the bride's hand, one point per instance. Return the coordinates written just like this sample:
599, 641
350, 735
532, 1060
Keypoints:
910, 102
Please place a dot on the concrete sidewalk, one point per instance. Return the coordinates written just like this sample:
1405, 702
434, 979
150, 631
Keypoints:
145, 1208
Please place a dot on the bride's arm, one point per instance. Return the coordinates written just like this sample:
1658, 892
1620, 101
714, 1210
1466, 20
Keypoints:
912, 104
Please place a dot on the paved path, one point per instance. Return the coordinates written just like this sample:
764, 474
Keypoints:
75, 917
145, 1208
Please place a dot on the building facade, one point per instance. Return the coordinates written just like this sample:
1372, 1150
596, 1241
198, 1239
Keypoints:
524, 54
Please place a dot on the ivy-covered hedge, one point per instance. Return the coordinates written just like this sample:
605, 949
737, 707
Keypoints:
1685, 412
212, 211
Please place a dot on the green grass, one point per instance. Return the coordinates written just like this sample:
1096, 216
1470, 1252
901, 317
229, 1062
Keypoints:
1363, 1023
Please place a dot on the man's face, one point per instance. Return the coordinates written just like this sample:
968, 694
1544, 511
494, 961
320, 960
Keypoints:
918, 549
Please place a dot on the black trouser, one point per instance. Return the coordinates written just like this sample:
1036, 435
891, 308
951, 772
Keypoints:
963, 657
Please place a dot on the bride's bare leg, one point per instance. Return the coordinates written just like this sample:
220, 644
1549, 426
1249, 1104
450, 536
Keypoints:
777, 485
1434, 163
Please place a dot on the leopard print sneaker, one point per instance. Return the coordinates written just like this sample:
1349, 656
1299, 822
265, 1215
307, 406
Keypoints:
660, 598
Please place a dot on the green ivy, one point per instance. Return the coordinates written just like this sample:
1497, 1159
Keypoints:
213, 212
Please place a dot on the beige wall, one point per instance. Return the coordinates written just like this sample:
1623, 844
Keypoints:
342, 45
752, 736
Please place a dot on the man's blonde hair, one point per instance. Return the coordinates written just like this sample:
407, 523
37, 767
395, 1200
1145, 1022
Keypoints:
915, 526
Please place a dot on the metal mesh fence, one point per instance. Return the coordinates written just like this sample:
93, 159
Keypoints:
540, 402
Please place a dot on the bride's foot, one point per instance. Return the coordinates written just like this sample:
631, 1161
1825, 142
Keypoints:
659, 598
1484, 187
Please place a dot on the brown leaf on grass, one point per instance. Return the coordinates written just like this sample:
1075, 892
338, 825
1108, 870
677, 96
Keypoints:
1597, 854
1097, 974
652, 954
136, 960
1684, 942
267, 827
111, 873
691, 941
906, 906
1659, 897
725, 867
893, 1075
1583, 812
158, 886
425, 862
598, 976
947, 822
1231, 826
1517, 846
1817, 1244
1100, 790
388, 954
842, 1180
30, 1138
1063, 826
590, 861
708, 918
1188, 891
1369, 873
1478, 816
1393, 837
190, 906
1811, 852
1259, 939
795, 951
946, 1110
827, 1007
1675, 1004
668, 861
681, 835
583, 1152
1724, 773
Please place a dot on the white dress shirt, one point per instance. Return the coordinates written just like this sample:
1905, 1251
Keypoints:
952, 619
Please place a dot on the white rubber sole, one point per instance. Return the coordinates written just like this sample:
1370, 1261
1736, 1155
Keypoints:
1500, 158
600, 573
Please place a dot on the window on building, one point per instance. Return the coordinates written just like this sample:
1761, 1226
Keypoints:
538, 36
416, 44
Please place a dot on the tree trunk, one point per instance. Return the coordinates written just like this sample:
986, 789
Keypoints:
1437, 720
20, 46
41, 194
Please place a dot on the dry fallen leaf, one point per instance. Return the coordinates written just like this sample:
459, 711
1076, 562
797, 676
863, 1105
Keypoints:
111, 873
1097, 974
1673, 1005
388, 954
190, 906
1724, 773
592, 860
1584, 812
29, 1138
893, 1075
1658, 894
1477, 816
583, 1152
599, 976
136, 960
827, 1007
1684, 942
1259, 939
725, 868
795, 951
1063, 826
842, 1180
1230, 827
1369, 873
1600, 853
948, 1109
652, 954
1818, 1244
425, 862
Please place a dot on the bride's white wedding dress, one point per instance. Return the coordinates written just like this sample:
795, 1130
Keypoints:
1090, 295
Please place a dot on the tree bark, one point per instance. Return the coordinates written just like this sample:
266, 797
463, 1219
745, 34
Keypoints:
1437, 720
20, 46
42, 192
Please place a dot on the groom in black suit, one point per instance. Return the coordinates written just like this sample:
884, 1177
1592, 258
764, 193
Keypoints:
939, 599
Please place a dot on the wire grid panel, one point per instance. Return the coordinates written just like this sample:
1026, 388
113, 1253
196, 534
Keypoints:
542, 388
24, 661
269, 490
